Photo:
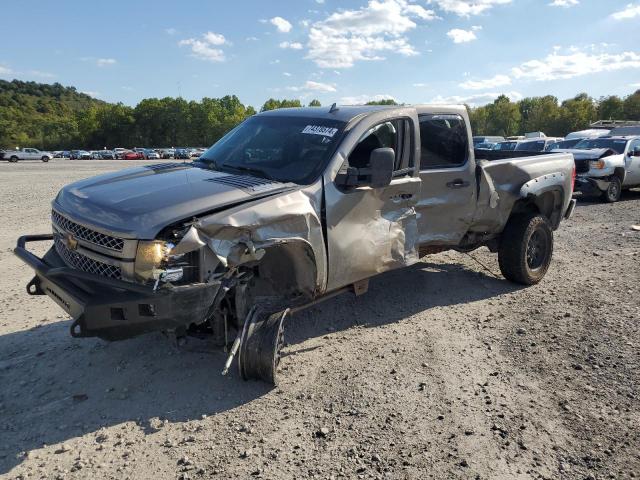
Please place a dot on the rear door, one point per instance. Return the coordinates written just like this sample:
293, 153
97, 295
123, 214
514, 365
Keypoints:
372, 230
447, 170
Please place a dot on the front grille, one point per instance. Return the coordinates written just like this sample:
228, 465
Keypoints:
84, 233
582, 166
80, 262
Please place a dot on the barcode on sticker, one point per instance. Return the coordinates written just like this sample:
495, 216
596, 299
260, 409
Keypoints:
318, 130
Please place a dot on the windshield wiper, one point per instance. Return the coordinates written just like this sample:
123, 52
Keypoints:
242, 168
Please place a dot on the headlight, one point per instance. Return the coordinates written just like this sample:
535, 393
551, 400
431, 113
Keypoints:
597, 164
150, 259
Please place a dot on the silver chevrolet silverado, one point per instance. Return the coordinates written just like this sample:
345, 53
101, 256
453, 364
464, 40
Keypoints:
291, 207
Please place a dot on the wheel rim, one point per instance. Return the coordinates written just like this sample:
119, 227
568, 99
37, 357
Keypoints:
614, 190
537, 250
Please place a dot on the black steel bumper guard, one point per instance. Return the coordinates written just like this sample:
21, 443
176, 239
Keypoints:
108, 308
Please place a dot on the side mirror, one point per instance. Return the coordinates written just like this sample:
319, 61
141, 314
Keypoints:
634, 153
382, 162
379, 173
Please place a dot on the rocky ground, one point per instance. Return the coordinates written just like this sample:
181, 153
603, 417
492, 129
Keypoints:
443, 370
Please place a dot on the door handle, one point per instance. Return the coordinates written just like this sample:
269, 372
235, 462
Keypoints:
458, 183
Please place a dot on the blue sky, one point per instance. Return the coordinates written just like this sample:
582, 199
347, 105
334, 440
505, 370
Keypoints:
415, 51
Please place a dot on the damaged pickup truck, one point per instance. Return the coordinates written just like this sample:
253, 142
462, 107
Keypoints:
291, 207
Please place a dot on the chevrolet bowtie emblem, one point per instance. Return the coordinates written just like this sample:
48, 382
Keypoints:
70, 241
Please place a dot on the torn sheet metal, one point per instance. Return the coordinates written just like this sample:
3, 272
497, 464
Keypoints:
243, 233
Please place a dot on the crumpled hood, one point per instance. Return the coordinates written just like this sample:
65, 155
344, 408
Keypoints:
139, 202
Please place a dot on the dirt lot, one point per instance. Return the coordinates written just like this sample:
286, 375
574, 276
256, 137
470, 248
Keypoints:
443, 370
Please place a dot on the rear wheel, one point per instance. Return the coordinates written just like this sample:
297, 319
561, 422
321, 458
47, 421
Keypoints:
526, 249
614, 191
13, 159
45, 159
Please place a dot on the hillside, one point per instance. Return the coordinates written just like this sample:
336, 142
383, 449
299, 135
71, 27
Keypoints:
40, 115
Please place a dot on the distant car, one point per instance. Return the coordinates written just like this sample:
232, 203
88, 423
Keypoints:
25, 154
485, 146
477, 140
507, 146
151, 155
563, 144
62, 154
80, 155
168, 153
119, 152
535, 144
107, 155
95, 155
182, 154
133, 155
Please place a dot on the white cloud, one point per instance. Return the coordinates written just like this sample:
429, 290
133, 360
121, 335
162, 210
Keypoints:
466, 8
635, 85
5, 70
41, 74
362, 99
251, 39
311, 86
207, 47
420, 85
281, 24
575, 64
476, 99
170, 31
631, 11
105, 62
286, 74
291, 45
564, 3
497, 81
348, 36
461, 36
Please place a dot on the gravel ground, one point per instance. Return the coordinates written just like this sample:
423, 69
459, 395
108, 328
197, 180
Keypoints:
443, 370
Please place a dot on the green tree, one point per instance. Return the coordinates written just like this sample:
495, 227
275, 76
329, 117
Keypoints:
577, 113
386, 101
611, 108
273, 104
632, 106
504, 117
315, 103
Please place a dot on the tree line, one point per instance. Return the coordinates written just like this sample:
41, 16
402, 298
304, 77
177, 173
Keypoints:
55, 117
546, 114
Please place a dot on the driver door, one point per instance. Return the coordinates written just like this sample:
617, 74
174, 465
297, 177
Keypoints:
632, 164
372, 230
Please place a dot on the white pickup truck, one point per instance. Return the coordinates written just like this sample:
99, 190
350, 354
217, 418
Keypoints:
25, 154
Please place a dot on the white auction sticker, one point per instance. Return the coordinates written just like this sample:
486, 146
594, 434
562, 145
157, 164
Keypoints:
318, 130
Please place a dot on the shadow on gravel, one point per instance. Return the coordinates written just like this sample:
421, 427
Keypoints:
593, 200
55, 388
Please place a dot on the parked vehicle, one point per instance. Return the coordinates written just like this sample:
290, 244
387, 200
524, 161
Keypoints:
119, 152
292, 207
95, 155
535, 144
182, 154
151, 155
107, 155
25, 154
477, 140
589, 133
62, 154
168, 153
606, 166
562, 144
485, 146
82, 155
506, 146
133, 155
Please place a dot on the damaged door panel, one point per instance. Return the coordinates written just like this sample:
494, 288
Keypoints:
290, 208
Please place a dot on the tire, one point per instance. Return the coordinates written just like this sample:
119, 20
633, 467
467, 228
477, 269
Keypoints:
526, 249
614, 191
261, 341
13, 159
45, 159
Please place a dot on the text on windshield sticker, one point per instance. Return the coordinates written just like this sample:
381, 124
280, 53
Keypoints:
318, 130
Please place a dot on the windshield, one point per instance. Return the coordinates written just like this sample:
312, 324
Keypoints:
505, 146
613, 144
286, 149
